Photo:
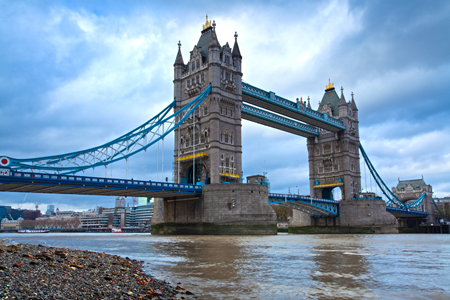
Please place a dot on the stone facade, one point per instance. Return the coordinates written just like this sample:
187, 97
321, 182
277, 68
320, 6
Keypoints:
222, 209
408, 191
211, 137
208, 149
334, 157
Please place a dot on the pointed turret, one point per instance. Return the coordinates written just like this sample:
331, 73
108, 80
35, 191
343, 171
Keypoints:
342, 100
236, 52
309, 104
214, 43
353, 103
179, 60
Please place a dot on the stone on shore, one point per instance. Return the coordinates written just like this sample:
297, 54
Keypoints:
38, 272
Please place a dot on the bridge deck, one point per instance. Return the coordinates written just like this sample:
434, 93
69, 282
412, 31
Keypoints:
83, 185
406, 213
270, 101
314, 206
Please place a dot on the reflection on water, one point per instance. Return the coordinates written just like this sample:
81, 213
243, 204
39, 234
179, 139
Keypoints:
283, 266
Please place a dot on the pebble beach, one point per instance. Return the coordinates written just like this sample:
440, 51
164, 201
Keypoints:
40, 272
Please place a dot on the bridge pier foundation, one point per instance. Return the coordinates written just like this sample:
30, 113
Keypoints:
228, 209
355, 216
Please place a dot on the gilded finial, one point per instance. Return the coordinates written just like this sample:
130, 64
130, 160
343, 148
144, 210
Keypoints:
329, 86
235, 35
207, 24
179, 44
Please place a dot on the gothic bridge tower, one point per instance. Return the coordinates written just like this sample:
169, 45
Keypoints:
334, 157
208, 145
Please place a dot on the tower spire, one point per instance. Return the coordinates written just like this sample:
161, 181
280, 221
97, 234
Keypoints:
179, 59
236, 52
342, 100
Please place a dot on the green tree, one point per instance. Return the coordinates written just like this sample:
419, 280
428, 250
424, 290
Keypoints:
281, 213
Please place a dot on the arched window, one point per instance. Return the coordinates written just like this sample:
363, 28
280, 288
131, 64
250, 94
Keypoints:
198, 64
226, 138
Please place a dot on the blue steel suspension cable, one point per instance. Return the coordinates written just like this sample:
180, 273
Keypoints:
132, 139
392, 198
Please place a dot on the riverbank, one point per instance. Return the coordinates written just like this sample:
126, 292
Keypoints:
39, 272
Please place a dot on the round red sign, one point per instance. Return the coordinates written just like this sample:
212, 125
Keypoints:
4, 161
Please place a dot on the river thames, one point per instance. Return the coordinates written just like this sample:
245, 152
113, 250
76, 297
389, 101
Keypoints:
284, 266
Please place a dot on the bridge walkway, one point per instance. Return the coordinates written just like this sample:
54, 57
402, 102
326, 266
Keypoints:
272, 102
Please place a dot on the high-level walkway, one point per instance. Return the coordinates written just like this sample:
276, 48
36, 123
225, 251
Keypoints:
272, 102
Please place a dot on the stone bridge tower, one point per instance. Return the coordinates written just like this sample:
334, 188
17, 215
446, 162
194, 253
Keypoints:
334, 157
408, 191
208, 145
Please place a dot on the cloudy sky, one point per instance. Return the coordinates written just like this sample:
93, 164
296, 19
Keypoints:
77, 74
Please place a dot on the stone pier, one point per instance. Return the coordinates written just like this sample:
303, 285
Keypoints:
234, 209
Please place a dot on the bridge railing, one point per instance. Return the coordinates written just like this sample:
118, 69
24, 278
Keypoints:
88, 179
300, 197
406, 211
277, 100
278, 119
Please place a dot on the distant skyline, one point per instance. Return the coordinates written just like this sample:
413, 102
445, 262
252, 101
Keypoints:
76, 74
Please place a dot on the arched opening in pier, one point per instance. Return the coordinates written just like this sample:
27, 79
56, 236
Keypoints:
199, 170
332, 193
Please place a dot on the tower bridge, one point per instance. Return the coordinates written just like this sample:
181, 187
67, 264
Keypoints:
210, 102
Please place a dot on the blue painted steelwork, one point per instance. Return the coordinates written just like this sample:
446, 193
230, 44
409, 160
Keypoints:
313, 206
14, 181
273, 118
403, 211
121, 148
392, 198
417, 202
437, 207
258, 93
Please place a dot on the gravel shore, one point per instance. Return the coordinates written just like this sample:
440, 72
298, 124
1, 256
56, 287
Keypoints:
39, 272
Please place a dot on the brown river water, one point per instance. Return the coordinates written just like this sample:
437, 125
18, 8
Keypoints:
402, 266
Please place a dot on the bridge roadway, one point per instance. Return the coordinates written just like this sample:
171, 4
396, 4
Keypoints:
406, 213
313, 206
272, 102
330, 208
26, 182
